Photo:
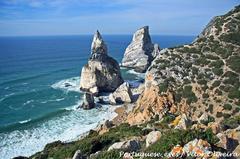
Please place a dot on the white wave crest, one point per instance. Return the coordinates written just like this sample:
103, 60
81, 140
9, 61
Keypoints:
70, 84
25, 121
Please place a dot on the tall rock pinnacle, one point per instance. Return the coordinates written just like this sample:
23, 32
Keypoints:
98, 45
102, 72
141, 51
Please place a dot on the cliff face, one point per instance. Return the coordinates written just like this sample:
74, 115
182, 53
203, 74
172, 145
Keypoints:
202, 76
141, 51
102, 72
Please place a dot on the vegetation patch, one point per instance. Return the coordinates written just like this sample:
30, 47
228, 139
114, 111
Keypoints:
173, 137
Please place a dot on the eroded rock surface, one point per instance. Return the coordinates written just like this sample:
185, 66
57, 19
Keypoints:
141, 51
102, 72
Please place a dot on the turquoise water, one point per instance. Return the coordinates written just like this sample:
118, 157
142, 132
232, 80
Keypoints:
36, 106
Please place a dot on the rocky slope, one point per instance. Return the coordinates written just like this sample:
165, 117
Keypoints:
200, 77
102, 72
141, 51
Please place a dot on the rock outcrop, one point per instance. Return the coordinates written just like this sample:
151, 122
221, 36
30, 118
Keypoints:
130, 145
141, 51
88, 101
153, 137
122, 94
102, 72
78, 155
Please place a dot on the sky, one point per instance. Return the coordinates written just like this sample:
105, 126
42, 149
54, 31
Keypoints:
75, 17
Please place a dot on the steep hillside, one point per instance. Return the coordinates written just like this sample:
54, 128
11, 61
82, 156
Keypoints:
201, 77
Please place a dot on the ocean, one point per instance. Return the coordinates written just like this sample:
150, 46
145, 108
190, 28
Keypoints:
36, 106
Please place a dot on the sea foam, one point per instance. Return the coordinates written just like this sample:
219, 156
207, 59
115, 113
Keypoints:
66, 127
70, 84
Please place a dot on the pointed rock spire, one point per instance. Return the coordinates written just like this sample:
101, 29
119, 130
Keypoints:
141, 51
98, 45
102, 72
142, 34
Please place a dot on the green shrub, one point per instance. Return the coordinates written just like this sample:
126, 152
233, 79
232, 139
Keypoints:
234, 93
234, 63
189, 95
218, 92
231, 78
216, 83
231, 37
217, 64
163, 87
205, 95
226, 116
227, 106
211, 57
217, 71
219, 114
210, 108
201, 61
231, 123
113, 154
202, 82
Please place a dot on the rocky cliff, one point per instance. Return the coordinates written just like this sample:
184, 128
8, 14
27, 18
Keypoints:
201, 77
141, 51
102, 72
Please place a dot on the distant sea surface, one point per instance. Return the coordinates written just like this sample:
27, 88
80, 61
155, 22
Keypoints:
37, 105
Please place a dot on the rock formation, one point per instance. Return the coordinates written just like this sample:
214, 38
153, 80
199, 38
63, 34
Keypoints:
102, 72
122, 94
88, 101
129, 145
141, 51
152, 137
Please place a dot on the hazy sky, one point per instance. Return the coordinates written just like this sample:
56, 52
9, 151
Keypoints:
61, 17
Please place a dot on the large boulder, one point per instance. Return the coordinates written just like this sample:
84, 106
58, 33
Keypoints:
102, 72
130, 145
153, 137
141, 51
122, 94
78, 155
88, 101
198, 147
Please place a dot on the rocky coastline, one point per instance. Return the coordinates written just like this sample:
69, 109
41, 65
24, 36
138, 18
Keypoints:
188, 104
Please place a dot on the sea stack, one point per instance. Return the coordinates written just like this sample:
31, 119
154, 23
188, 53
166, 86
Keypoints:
88, 101
141, 51
102, 72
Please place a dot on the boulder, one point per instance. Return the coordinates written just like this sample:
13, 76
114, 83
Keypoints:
102, 72
130, 145
198, 147
94, 155
153, 137
122, 94
203, 118
141, 51
78, 155
88, 101
223, 141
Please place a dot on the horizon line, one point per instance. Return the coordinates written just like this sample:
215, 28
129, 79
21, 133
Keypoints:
2, 36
